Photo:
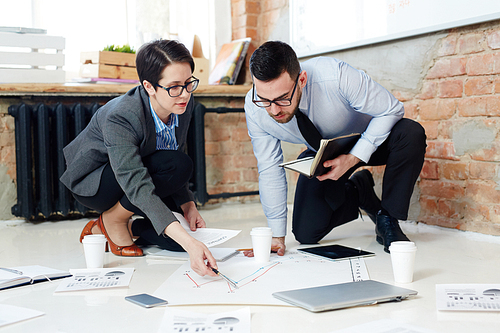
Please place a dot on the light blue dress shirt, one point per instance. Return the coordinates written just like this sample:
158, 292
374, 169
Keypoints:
339, 100
165, 133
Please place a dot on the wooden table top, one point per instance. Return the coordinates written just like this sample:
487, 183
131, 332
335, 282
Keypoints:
17, 89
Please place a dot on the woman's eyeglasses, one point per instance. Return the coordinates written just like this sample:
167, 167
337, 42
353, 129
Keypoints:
176, 91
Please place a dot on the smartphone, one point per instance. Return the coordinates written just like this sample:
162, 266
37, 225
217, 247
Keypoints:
146, 300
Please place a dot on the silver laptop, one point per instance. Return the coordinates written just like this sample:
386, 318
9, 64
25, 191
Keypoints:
338, 296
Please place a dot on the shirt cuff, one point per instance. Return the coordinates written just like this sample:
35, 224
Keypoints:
363, 150
278, 226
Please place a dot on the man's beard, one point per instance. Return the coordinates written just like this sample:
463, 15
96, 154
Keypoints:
289, 115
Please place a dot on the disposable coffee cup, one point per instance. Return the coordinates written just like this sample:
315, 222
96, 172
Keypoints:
94, 246
261, 242
403, 261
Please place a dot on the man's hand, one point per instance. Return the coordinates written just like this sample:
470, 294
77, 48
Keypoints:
339, 166
277, 245
192, 215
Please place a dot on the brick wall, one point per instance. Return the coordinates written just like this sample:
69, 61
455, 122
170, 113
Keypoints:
7, 145
459, 107
255, 19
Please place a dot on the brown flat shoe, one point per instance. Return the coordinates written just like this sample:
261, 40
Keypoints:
125, 251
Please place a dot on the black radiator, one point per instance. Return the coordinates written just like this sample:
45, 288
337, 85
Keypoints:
41, 133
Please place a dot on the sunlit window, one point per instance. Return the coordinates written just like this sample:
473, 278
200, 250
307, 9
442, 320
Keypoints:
91, 25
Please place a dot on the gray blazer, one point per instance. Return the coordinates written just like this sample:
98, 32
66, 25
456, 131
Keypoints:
121, 133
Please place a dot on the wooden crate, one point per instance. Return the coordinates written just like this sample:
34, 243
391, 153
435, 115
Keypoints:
31, 66
109, 65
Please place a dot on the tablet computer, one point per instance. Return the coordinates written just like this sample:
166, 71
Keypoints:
336, 252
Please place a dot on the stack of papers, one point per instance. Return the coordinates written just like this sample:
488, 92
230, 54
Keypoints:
220, 254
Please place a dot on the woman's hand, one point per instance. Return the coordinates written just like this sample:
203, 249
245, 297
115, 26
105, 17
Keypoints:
192, 215
198, 252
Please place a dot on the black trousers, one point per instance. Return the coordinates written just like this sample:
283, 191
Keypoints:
321, 206
170, 170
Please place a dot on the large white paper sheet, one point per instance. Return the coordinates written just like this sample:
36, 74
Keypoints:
208, 236
385, 326
176, 321
468, 297
99, 278
10, 314
256, 281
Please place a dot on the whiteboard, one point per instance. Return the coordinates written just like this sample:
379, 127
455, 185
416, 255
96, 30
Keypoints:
320, 26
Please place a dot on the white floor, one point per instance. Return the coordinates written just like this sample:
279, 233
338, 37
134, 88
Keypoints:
444, 256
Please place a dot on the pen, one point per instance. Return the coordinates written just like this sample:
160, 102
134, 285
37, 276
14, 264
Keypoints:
11, 270
231, 282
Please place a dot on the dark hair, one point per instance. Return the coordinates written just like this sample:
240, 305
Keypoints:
272, 59
154, 56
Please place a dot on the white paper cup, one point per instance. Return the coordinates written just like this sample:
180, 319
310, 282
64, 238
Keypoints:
261, 242
403, 261
94, 246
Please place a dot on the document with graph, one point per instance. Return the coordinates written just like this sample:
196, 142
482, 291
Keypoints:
256, 282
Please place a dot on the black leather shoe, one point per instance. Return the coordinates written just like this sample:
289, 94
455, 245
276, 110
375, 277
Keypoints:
368, 200
388, 230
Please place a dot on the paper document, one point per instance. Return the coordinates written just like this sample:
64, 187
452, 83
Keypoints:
219, 253
208, 236
99, 278
468, 297
256, 282
10, 314
175, 321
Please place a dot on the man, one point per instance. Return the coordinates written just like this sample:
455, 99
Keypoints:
337, 99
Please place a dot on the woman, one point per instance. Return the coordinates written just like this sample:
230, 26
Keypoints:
129, 160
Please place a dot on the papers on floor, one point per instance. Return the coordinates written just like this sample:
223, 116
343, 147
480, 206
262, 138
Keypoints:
220, 253
100, 278
256, 281
10, 314
208, 236
175, 321
468, 297
385, 326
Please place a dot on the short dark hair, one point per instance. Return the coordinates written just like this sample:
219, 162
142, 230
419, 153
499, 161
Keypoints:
272, 59
154, 56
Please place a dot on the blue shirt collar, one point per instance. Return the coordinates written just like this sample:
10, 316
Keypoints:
173, 120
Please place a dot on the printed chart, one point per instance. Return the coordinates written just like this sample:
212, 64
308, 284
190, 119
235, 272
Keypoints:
257, 282
468, 297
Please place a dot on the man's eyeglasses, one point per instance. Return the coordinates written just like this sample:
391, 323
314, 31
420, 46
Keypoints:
176, 91
280, 102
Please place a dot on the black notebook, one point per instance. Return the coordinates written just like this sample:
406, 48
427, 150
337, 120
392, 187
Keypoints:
328, 150
18, 276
